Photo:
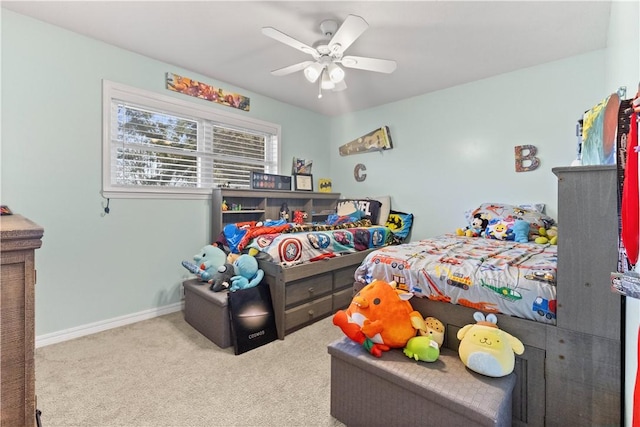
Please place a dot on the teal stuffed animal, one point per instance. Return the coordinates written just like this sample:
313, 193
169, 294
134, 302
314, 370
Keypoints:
209, 259
248, 274
521, 231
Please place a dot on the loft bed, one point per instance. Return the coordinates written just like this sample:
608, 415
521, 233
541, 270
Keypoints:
570, 372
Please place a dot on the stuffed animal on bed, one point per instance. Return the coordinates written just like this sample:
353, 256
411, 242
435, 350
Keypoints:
247, 273
207, 262
476, 228
380, 317
521, 231
549, 235
486, 349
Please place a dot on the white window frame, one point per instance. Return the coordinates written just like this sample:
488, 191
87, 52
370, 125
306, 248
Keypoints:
152, 100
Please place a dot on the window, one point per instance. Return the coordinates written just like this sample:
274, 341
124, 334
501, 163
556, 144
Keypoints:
161, 146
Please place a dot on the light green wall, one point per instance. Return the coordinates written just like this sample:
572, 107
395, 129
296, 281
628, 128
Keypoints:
93, 267
453, 150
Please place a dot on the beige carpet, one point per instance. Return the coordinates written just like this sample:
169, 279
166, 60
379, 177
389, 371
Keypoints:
162, 372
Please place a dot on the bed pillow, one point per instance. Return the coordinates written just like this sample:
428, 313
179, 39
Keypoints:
500, 229
370, 208
400, 224
385, 208
347, 208
492, 211
537, 207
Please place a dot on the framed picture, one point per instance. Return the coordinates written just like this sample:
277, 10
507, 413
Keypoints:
301, 166
324, 185
267, 181
303, 182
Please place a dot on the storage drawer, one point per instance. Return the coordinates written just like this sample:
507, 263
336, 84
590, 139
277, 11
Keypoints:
305, 289
342, 299
343, 278
309, 312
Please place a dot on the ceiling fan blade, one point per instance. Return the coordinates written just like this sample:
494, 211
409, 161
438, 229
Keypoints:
288, 40
352, 28
340, 86
291, 68
369, 64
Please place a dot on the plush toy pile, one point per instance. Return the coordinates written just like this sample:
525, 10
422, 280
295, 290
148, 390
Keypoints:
506, 222
222, 271
380, 317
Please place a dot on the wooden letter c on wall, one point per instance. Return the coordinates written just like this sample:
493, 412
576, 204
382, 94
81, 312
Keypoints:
356, 172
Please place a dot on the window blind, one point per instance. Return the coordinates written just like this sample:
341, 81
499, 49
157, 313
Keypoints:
167, 146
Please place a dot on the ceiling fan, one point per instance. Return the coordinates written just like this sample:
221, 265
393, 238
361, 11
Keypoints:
328, 54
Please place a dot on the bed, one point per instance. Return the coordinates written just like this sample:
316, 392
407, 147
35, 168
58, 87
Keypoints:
571, 371
494, 276
309, 266
299, 244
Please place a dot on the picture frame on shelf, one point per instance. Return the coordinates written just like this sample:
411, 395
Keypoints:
324, 185
303, 182
267, 181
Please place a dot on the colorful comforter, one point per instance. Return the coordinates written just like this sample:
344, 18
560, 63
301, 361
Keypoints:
493, 276
315, 242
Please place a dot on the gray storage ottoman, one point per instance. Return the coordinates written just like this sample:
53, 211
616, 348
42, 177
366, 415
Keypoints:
395, 390
207, 311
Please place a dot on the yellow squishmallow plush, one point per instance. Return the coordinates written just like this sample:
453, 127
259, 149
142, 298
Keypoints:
486, 349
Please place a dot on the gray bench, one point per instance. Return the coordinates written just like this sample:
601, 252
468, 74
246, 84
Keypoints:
207, 311
396, 390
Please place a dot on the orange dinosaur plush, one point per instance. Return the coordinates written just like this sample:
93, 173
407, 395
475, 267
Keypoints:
380, 317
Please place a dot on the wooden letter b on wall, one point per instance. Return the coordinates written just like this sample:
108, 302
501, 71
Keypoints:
526, 162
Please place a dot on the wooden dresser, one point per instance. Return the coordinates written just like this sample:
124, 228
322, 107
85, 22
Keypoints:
19, 237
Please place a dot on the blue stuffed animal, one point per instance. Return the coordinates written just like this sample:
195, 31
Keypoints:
248, 274
207, 261
521, 231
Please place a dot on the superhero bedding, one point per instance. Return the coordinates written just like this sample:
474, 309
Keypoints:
292, 244
493, 276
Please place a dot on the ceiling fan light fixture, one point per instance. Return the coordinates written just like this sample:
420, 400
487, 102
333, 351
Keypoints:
336, 74
313, 71
326, 82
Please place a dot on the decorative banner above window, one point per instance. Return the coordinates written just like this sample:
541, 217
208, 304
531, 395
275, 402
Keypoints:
526, 159
196, 89
376, 140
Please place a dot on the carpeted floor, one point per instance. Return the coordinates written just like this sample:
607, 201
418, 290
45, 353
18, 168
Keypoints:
162, 372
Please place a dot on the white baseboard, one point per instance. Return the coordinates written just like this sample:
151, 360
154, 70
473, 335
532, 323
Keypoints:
103, 325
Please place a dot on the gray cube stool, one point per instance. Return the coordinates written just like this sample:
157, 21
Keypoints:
207, 311
394, 390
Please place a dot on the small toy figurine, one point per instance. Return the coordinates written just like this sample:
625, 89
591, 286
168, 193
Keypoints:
284, 211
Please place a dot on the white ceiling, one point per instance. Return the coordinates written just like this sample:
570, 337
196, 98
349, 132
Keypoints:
436, 44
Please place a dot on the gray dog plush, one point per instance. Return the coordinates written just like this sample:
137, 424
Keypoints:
221, 279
